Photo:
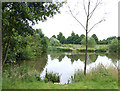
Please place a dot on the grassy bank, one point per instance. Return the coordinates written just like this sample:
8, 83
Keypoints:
78, 48
24, 78
50, 85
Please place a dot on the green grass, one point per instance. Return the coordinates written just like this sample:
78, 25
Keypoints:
97, 78
78, 85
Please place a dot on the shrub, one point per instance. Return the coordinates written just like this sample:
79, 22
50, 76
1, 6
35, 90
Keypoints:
88, 50
38, 78
113, 47
102, 48
64, 49
51, 77
45, 80
52, 48
54, 42
91, 42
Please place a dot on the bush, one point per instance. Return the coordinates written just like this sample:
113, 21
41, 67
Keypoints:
45, 80
51, 77
88, 50
64, 49
113, 47
52, 48
102, 48
91, 42
54, 42
25, 53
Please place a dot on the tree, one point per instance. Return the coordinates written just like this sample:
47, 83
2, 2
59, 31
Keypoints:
54, 36
91, 42
104, 41
73, 39
61, 38
113, 47
109, 39
89, 14
95, 37
77, 39
16, 19
68, 41
54, 42
81, 37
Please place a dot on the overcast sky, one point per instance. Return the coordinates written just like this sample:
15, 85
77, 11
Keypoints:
65, 23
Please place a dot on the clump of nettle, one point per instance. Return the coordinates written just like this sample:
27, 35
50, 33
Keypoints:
51, 77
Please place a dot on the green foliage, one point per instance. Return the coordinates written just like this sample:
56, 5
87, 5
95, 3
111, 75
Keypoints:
64, 49
28, 47
109, 39
16, 27
103, 48
20, 73
113, 47
84, 49
61, 38
98, 74
51, 77
38, 43
54, 36
52, 48
45, 80
54, 42
38, 78
95, 38
74, 39
78, 76
98, 77
91, 42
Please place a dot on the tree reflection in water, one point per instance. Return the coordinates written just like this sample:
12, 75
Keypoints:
66, 63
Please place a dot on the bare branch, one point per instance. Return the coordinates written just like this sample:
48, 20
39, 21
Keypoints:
84, 8
96, 5
96, 24
76, 19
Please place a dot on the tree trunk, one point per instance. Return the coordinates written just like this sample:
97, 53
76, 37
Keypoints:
86, 53
6, 52
86, 38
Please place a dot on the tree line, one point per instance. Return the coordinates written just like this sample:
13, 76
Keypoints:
78, 39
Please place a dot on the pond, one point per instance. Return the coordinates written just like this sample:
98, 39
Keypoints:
67, 63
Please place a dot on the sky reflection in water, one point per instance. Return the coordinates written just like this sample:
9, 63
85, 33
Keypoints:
66, 68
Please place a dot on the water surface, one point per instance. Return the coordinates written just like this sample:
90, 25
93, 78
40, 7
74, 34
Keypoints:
67, 63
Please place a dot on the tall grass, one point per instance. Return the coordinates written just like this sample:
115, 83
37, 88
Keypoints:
98, 74
25, 78
19, 74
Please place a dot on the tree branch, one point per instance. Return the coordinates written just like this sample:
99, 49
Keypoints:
76, 18
84, 8
92, 12
96, 24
